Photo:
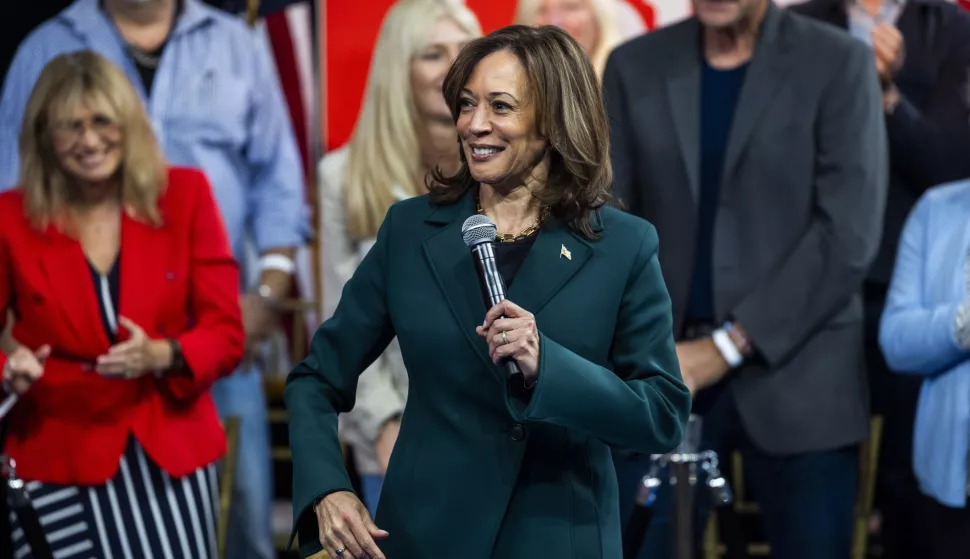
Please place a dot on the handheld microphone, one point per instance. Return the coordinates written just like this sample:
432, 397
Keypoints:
478, 233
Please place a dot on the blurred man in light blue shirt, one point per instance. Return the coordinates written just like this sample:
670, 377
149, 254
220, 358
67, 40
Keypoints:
213, 98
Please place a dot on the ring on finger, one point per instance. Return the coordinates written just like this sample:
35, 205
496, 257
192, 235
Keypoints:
339, 552
505, 338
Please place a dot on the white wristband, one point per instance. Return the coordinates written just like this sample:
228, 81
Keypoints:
727, 348
277, 262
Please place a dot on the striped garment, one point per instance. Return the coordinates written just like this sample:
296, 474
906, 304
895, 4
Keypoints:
141, 513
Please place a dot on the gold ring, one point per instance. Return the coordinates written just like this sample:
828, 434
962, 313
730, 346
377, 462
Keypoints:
505, 339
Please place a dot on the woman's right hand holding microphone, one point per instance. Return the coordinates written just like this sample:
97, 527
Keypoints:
346, 528
24, 367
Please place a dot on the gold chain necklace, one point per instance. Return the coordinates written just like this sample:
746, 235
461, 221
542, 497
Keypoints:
512, 237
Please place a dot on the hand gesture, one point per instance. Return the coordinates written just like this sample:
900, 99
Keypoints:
24, 367
134, 357
346, 529
889, 47
514, 336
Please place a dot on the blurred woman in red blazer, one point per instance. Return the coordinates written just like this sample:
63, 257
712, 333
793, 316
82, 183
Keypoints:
125, 295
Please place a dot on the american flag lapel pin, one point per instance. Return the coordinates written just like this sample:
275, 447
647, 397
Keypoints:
565, 252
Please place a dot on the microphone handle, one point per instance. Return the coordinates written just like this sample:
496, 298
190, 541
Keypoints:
7, 405
493, 287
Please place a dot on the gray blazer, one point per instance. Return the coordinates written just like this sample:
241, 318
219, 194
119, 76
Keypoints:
799, 217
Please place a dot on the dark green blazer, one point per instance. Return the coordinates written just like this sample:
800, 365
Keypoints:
480, 470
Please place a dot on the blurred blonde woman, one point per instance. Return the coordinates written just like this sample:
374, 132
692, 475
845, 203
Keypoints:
403, 131
125, 293
593, 23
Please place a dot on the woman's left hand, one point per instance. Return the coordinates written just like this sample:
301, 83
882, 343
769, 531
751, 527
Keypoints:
136, 356
514, 336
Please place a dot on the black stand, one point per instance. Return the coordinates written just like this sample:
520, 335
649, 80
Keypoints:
685, 465
18, 499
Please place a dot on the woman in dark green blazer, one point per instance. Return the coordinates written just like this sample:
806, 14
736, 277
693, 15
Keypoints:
486, 465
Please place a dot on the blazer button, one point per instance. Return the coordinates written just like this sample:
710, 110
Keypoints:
517, 433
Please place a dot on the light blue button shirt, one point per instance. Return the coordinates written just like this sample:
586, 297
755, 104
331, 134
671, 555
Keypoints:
918, 336
214, 105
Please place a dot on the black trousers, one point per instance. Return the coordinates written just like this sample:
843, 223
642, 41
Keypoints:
894, 397
949, 530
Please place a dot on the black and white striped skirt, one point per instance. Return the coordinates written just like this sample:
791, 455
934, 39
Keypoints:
141, 513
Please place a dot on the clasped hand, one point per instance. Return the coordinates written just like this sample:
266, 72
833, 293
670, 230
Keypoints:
24, 367
130, 359
511, 331
890, 51
136, 356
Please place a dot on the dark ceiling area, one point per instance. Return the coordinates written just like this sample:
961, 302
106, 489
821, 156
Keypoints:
21, 18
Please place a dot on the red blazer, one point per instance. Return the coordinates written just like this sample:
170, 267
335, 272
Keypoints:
179, 280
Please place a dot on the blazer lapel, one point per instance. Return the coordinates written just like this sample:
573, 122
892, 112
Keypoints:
555, 257
144, 262
683, 93
546, 269
766, 72
454, 271
63, 263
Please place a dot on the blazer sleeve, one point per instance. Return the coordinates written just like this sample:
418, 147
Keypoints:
934, 148
818, 277
643, 404
213, 346
6, 287
324, 385
915, 337
377, 398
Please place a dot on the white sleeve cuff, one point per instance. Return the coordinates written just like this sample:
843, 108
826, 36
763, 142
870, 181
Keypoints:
727, 348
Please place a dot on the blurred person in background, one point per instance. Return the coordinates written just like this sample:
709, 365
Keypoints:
404, 130
488, 463
925, 333
921, 51
213, 100
763, 165
591, 22
126, 297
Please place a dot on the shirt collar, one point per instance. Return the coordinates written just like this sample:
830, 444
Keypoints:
86, 16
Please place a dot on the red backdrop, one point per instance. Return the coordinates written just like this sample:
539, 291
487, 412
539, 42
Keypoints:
351, 30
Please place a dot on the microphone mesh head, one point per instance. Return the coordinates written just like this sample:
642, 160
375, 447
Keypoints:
478, 228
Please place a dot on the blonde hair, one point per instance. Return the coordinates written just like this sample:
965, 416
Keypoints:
527, 11
384, 148
68, 81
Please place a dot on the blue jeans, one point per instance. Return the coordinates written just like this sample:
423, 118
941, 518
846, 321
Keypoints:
371, 488
250, 525
807, 501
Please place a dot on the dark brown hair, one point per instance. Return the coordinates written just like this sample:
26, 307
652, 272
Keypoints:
569, 113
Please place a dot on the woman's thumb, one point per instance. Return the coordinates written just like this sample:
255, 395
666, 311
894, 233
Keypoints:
43, 352
373, 529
